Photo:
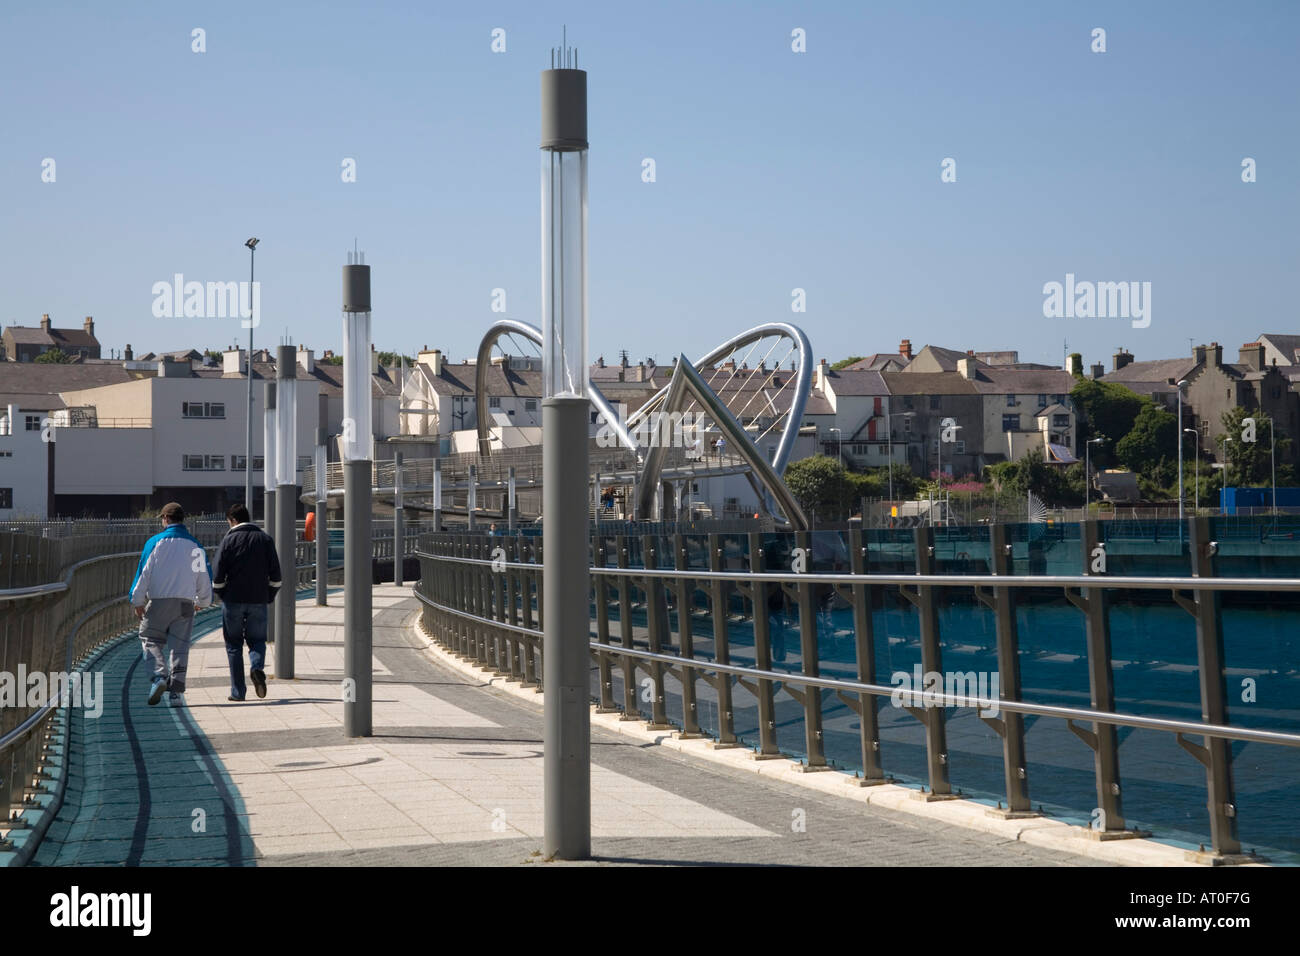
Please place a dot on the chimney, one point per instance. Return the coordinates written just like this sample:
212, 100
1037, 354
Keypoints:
306, 359
622, 359
432, 359
1121, 358
89, 325
1076, 364
1198, 353
129, 354
1252, 354
905, 349
600, 362
819, 382
45, 322
1216, 352
964, 368
1098, 370
232, 361
374, 360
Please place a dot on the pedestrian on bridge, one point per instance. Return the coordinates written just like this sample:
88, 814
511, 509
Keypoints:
247, 579
171, 580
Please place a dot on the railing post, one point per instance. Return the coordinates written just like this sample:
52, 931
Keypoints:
867, 706
688, 675
1010, 727
656, 614
630, 709
1216, 753
1103, 738
933, 718
399, 528
517, 643
762, 688
601, 583
810, 697
718, 599
528, 555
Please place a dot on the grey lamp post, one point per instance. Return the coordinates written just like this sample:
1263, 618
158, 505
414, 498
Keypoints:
1223, 486
248, 446
1182, 384
357, 475
399, 528
565, 575
286, 499
946, 426
268, 494
1272, 463
1196, 501
1087, 472
322, 492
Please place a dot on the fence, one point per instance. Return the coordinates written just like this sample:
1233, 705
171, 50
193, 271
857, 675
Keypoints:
698, 623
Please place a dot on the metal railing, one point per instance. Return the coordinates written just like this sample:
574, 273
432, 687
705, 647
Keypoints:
482, 598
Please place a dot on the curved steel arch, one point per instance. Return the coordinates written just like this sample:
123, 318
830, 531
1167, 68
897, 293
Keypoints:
803, 381
534, 334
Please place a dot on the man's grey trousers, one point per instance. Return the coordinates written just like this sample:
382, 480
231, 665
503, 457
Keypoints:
166, 627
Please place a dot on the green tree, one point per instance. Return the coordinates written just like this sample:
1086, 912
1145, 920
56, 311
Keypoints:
820, 485
55, 356
1108, 410
846, 362
1153, 437
1250, 452
331, 360
389, 359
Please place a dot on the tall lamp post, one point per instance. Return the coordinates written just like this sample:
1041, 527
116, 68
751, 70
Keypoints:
248, 446
1182, 384
1223, 486
357, 475
947, 427
1272, 463
566, 579
1196, 507
839, 448
286, 504
1087, 472
322, 515
269, 448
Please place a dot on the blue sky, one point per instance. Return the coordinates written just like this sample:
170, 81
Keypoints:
775, 170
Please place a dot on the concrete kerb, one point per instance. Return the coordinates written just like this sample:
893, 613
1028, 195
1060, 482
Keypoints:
1034, 831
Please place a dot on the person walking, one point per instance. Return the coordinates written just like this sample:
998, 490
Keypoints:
171, 580
246, 577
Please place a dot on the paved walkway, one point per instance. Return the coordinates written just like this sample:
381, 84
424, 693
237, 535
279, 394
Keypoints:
453, 775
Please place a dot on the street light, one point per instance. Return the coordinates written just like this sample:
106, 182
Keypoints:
947, 426
358, 634
839, 449
1272, 462
566, 581
889, 428
1087, 471
1182, 384
286, 501
248, 445
1197, 435
1223, 487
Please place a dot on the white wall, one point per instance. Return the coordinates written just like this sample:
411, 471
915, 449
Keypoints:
103, 461
26, 469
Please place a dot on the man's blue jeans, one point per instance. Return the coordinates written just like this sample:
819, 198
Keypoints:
243, 624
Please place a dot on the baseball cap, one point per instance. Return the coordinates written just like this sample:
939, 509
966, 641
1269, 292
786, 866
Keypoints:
173, 512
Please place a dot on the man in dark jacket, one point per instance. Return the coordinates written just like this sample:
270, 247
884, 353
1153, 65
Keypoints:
246, 576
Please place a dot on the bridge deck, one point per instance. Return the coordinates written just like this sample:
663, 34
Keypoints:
453, 775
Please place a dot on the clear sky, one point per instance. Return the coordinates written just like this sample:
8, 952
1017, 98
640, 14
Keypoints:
775, 170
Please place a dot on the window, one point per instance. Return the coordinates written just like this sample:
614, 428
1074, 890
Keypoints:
33, 423
907, 401
907, 426
1042, 400
494, 401
1011, 401
1011, 423
237, 462
304, 462
1060, 421
934, 403
203, 462
203, 409
959, 447
6, 453
530, 404
1059, 399
6, 497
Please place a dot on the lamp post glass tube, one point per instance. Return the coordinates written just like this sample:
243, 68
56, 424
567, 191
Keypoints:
286, 429
269, 444
564, 273
356, 386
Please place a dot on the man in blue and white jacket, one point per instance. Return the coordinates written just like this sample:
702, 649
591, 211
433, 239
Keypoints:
173, 578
